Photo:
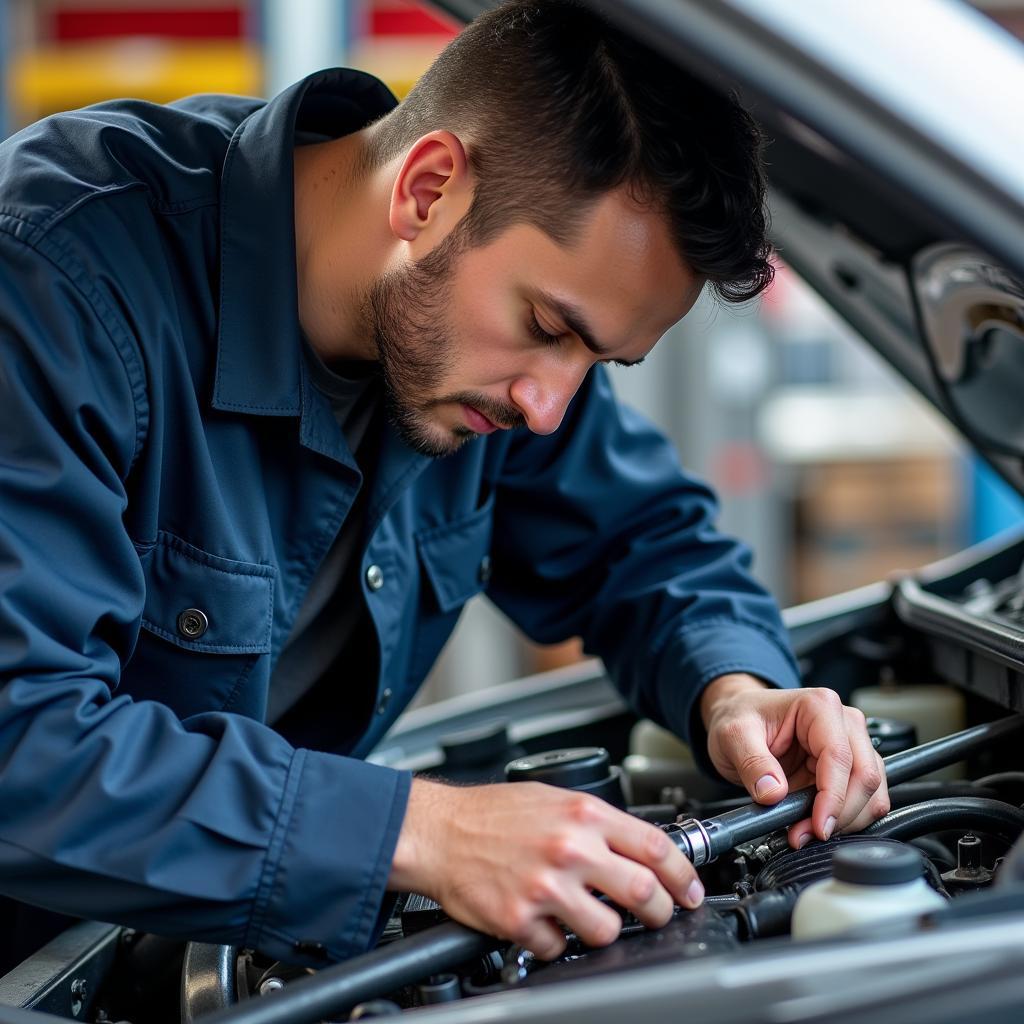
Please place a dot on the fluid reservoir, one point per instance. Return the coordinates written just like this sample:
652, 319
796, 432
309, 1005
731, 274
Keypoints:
936, 710
651, 740
587, 769
870, 882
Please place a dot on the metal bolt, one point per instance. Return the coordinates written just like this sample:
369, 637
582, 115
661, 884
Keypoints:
79, 991
271, 985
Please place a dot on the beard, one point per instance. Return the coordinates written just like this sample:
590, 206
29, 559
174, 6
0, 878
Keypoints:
406, 311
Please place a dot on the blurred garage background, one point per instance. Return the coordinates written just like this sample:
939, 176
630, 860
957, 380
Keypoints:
825, 464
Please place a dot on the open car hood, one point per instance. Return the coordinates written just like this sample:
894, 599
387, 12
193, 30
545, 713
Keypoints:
897, 178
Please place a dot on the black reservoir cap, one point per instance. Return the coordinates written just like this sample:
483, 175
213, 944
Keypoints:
891, 736
568, 768
876, 864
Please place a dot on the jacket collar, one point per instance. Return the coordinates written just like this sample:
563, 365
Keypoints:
259, 347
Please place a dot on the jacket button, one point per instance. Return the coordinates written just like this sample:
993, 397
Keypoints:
375, 577
484, 571
192, 623
385, 700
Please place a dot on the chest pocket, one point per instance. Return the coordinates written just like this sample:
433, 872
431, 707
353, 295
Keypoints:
456, 557
203, 602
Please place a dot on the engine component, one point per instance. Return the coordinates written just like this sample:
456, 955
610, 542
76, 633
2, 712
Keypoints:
763, 915
689, 935
441, 988
870, 882
813, 863
705, 841
336, 989
375, 1008
970, 872
891, 736
936, 710
990, 816
587, 769
478, 755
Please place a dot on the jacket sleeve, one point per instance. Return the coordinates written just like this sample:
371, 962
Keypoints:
599, 533
212, 827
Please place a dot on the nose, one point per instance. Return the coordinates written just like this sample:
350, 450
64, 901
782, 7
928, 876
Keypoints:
543, 399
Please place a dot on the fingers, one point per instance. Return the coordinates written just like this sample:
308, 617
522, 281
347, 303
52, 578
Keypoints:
544, 939
743, 741
594, 922
649, 847
827, 739
851, 762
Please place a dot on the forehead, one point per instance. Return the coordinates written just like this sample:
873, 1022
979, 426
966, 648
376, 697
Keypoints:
622, 268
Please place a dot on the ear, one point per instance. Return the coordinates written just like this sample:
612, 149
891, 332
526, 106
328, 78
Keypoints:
432, 191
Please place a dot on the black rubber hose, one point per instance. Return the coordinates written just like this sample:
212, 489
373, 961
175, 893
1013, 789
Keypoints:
705, 841
965, 814
335, 990
1009, 786
908, 793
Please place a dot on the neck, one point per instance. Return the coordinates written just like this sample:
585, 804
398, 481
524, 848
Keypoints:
340, 210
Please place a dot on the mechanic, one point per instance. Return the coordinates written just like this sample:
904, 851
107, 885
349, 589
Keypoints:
283, 385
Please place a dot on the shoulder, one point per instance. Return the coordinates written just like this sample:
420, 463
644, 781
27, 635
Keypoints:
172, 153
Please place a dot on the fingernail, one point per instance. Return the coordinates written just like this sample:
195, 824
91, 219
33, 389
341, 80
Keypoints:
830, 824
802, 840
765, 785
695, 893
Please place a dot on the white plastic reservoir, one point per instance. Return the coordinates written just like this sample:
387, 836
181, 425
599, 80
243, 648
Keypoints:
870, 882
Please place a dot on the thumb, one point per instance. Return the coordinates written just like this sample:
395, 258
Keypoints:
761, 775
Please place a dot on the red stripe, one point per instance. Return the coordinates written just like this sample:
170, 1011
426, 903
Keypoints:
391, 19
175, 22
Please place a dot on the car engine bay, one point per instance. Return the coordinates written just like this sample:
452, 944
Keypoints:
943, 870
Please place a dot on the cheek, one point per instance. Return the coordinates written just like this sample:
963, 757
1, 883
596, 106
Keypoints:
484, 350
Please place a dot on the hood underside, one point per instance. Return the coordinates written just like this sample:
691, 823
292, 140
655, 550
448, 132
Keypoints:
897, 179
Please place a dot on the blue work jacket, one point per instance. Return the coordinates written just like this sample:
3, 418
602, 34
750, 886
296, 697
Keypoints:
169, 483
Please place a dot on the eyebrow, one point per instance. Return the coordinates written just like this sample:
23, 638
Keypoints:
575, 319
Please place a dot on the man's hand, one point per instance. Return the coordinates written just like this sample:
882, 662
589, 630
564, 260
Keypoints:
771, 741
515, 859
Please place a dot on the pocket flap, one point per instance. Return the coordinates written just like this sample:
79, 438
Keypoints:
456, 556
235, 599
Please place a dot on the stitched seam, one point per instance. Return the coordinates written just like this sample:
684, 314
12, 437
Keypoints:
97, 192
725, 620
182, 548
229, 166
196, 645
660, 646
289, 410
274, 848
376, 865
237, 688
182, 205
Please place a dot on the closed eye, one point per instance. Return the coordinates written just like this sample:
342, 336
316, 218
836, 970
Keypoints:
540, 334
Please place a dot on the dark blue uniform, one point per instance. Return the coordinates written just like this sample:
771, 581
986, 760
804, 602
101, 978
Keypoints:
169, 483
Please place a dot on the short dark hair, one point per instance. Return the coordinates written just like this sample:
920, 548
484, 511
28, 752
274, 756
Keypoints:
556, 104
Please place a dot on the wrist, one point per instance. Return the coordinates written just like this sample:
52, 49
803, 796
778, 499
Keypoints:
418, 840
723, 689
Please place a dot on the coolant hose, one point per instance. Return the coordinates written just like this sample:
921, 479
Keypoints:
964, 814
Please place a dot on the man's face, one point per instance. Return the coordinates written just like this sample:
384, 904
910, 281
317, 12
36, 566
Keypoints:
471, 340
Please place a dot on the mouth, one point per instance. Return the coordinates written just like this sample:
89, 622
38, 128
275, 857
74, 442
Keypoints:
477, 421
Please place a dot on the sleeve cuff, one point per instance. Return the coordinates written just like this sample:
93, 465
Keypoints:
702, 652
329, 858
